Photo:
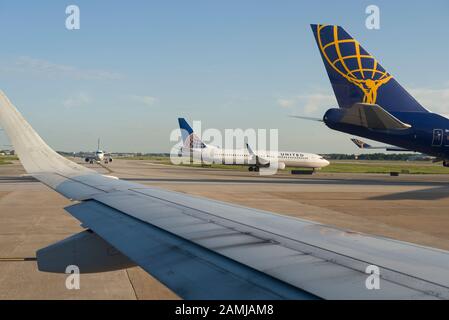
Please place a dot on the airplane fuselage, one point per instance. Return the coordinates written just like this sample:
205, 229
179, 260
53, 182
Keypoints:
429, 132
213, 155
99, 155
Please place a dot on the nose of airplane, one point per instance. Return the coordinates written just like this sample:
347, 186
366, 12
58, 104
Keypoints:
325, 163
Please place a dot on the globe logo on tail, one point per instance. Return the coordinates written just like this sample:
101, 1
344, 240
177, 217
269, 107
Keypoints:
193, 142
347, 57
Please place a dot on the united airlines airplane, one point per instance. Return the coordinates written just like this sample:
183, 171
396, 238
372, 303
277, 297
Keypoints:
192, 145
372, 104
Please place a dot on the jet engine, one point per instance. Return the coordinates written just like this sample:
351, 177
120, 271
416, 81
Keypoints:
281, 165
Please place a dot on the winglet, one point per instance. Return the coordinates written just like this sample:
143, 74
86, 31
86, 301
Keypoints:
251, 152
34, 154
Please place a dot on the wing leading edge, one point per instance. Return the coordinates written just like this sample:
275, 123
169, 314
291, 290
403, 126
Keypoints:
189, 243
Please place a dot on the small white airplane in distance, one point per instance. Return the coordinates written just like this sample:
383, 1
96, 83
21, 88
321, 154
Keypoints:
192, 145
99, 156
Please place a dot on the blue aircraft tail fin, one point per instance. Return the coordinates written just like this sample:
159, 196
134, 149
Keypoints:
189, 138
186, 130
356, 76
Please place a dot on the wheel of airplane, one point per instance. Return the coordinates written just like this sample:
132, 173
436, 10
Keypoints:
250, 169
256, 169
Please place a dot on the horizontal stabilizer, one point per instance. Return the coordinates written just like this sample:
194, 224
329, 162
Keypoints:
308, 118
371, 116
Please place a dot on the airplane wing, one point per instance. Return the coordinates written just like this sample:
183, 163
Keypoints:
363, 145
205, 249
88, 156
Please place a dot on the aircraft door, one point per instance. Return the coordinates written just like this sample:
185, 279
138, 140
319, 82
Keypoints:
437, 139
210, 155
446, 138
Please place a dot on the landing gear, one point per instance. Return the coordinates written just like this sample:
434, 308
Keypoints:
446, 163
255, 169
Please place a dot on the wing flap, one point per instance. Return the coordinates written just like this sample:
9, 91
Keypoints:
191, 271
279, 246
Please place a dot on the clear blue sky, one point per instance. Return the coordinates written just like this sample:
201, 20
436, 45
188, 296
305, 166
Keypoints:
135, 66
